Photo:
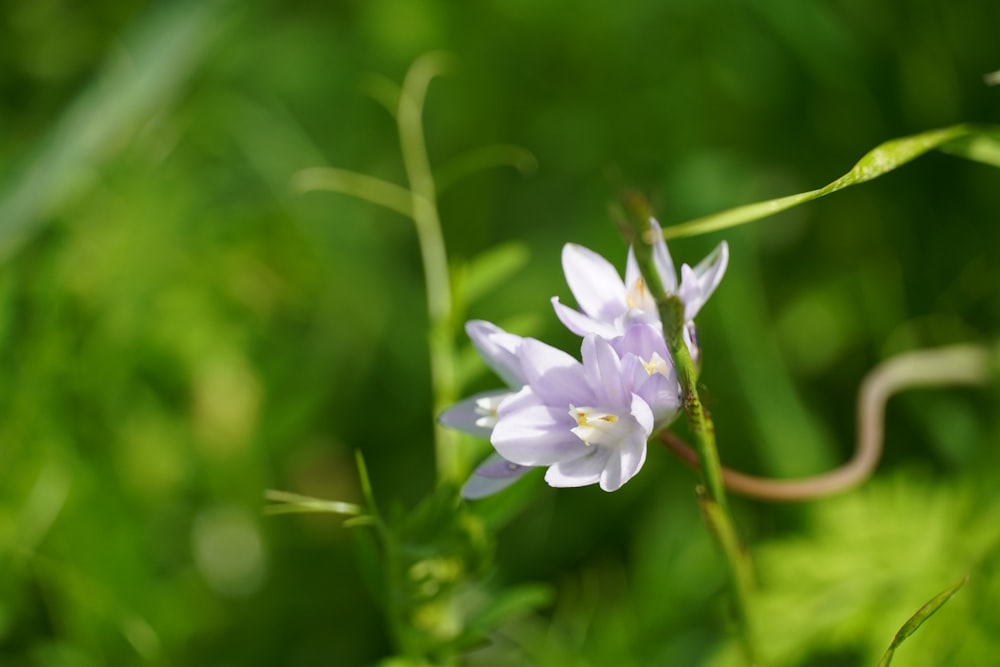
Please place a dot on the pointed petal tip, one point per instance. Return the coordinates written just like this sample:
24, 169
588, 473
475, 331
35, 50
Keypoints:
479, 327
598, 289
492, 475
581, 324
481, 487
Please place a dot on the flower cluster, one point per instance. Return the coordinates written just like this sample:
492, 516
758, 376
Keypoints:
586, 421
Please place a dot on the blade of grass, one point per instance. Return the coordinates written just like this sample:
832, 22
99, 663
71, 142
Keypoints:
294, 503
918, 619
369, 188
974, 143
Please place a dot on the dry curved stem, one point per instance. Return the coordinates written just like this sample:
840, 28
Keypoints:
955, 365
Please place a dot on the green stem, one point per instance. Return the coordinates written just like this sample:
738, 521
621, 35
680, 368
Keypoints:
715, 507
699, 421
451, 460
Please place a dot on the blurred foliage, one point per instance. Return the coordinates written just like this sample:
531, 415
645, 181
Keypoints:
180, 330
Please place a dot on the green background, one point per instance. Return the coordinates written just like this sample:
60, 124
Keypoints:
180, 329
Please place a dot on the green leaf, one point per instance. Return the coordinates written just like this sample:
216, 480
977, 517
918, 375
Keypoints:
366, 484
918, 619
383, 90
983, 148
294, 503
361, 186
980, 144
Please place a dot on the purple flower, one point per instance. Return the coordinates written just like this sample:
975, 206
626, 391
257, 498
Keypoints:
609, 305
477, 414
586, 422
649, 370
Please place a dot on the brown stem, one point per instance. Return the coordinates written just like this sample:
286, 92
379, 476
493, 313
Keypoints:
957, 365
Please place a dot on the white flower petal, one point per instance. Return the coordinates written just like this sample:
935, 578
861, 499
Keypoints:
643, 415
581, 324
643, 340
663, 396
690, 292
468, 416
698, 284
632, 272
555, 376
494, 474
534, 434
624, 463
691, 340
596, 285
604, 371
661, 259
580, 472
477, 487
498, 349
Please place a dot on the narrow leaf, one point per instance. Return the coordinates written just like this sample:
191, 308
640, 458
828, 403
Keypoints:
983, 148
918, 619
383, 90
360, 186
979, 144
293, 503
366, 483
885, 157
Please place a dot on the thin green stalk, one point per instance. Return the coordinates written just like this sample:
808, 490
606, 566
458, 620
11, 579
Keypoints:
698, 419
417, 202
715, 507
452, 463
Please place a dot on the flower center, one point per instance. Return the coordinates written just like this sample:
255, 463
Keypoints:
639, 299
486, 410
656, 364
597, 427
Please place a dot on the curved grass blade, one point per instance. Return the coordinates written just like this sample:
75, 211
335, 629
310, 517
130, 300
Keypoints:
294, 503
983, 148
383, 90
974, 143
918, 619
361, 186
